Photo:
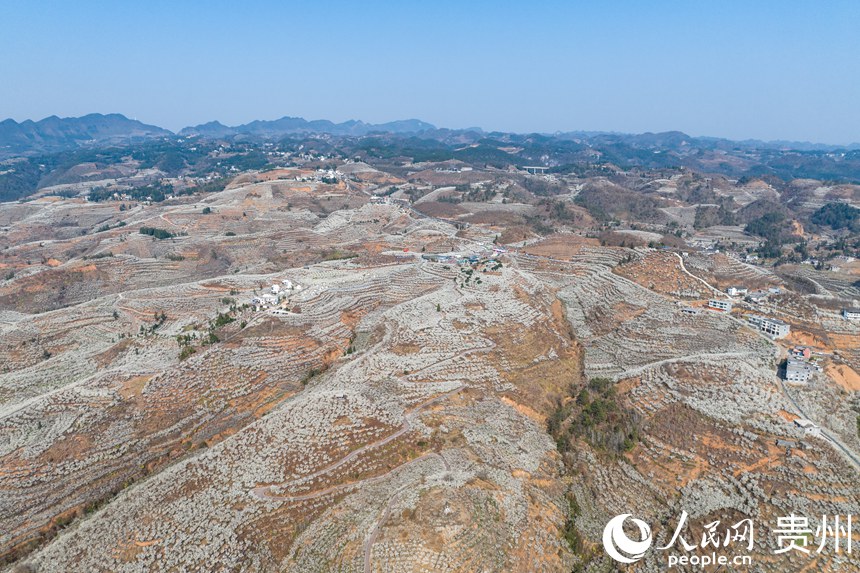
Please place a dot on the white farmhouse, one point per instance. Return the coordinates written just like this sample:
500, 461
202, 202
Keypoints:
808, 426
773, 327
797, 371
269, 299
851, 313
717, 304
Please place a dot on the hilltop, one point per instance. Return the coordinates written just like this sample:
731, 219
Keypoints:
59, 134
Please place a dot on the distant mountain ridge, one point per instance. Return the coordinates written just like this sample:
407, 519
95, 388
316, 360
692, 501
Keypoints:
58, 134
289, 125
678, 140
55, 134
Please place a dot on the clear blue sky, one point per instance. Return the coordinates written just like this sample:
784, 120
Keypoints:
739, 69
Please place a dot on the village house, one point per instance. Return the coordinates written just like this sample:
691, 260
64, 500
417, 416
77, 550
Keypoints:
801, 352
851, 313
787, 444
723, 305
773, 327
798, 371
757, 296
269, 299
808, 426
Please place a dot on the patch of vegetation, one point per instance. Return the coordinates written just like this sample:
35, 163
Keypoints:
571, 533
252, 160
760, 208
542, 187
613, 239
771, 226
21, 180
538, 224
103, 255
608, 203
222, 320
775, 229
337, 255
597, 416
711, 215
214, 186
838, 216
155, 192
488, 155
312, 373
157, 233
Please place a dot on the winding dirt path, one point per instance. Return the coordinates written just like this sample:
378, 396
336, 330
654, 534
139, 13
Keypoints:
700, 279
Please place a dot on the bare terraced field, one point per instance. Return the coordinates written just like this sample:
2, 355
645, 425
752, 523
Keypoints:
392, 416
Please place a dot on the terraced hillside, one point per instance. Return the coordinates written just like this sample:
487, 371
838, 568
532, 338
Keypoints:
294, 375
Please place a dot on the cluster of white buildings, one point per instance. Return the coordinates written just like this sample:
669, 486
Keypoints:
453, 169
277, 293
756, 296
469, 258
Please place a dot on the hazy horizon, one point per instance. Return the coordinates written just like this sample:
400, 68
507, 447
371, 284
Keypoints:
589, 131
770, 71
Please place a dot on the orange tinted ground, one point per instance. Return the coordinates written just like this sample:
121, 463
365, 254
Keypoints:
525, 410
845, 342
787, 416
802, 338
845, 376
661, 272
439, 209
560, 246
852, 268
